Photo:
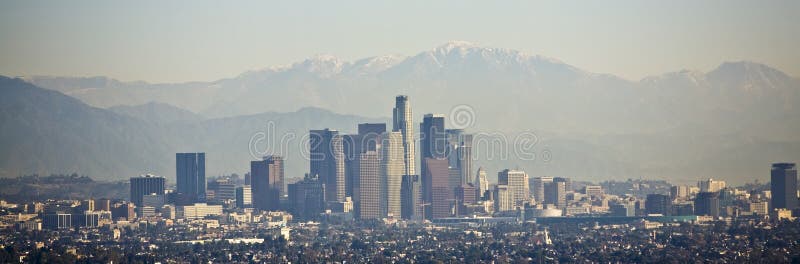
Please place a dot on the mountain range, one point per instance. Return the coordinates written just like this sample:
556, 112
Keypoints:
730, 122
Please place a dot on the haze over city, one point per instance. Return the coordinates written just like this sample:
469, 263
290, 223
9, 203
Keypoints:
372, 132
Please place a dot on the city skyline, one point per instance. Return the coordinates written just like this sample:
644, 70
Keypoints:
632, 131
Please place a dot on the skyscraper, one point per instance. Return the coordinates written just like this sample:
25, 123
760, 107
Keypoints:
411, 195
327, 161
784, 186
367, 139
465, 158
481, 183
517, 184
537, 187
191, 177
567, 183
307, 197
368, 197
555, 193
403, 123
658, 204
465, 194
503, 198
392, 170
244, 197
707, 203
267, 179
351, 147
370, 136
144, 185
453, 143
459, 154
440, 194
433, 139
711, 185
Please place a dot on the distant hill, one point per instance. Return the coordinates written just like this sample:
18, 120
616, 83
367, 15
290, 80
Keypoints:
159, 113
44, 132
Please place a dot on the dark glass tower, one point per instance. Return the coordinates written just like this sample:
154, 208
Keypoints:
326, 151
144, 185
191, 177
267, 182
784, 186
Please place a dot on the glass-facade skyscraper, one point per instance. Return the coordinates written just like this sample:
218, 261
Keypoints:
784, 186
191, 177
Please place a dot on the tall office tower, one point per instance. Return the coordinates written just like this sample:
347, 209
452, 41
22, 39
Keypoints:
465, 194
567, 182
144, 185
327, 161
537, 187
440, 193
517, 184
191, 177
403, 123
784, 186
411, 197
711, 185
453, 142
556, 193
368, 197
433, 138
224, 190
307, 197
244, 197
503, 198
351, 147
658, 204
371, 136
454, 179
679, 191
465, 159
392, 171
481, 183
267, 179
367, 139
707, 203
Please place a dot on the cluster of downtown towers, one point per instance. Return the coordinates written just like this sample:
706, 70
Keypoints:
371, 174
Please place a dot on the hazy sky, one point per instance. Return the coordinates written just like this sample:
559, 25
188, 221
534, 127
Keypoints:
172, 41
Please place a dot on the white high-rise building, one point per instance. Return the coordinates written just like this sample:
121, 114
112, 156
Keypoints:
392, 170
481, 183
711, 185
517, 182
403, 123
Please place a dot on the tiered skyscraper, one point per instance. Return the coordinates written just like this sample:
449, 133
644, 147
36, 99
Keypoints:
410, 187
191, 177
403, 123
